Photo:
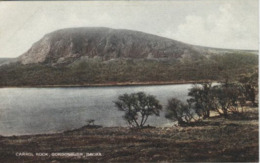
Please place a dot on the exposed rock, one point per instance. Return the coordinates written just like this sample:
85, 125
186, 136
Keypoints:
68, 45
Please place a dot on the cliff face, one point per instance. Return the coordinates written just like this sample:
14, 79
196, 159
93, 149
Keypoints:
68, 45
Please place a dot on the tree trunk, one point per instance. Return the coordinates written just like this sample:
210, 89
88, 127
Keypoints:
225, 113
206, 115
181, 122
145, 120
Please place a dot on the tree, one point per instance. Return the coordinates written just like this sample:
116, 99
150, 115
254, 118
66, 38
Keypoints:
202, 99
230, 96
250, 84
178, 111
138, 107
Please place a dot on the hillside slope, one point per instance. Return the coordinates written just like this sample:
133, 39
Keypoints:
104, 56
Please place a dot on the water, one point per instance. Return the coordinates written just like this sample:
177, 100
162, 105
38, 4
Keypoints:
48, 110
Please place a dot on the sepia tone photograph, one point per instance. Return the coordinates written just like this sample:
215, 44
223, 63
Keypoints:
129, 81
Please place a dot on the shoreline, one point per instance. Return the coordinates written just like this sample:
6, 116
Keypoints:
141, 145
112, 84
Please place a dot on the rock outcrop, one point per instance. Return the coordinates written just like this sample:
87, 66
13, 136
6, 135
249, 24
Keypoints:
68, 45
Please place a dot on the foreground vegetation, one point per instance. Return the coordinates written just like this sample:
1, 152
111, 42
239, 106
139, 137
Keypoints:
216, 139
225, 99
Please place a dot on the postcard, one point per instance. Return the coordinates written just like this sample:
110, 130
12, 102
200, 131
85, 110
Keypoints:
129, 81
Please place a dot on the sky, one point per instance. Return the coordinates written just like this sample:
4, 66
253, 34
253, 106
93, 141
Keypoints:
231, 24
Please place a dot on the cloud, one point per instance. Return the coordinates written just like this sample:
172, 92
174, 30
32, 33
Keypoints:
233, 26
215, 23
26, 23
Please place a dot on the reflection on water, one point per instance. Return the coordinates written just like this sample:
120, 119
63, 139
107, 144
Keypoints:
47, 110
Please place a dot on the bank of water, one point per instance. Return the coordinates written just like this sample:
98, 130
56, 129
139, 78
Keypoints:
49, 110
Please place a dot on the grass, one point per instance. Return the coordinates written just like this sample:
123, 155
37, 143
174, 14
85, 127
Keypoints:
218, 140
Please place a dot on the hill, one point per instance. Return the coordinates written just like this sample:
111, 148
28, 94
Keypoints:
68, 45
86, 56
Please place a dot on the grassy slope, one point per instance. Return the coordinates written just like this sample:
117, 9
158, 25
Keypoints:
217, 140
216, 68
